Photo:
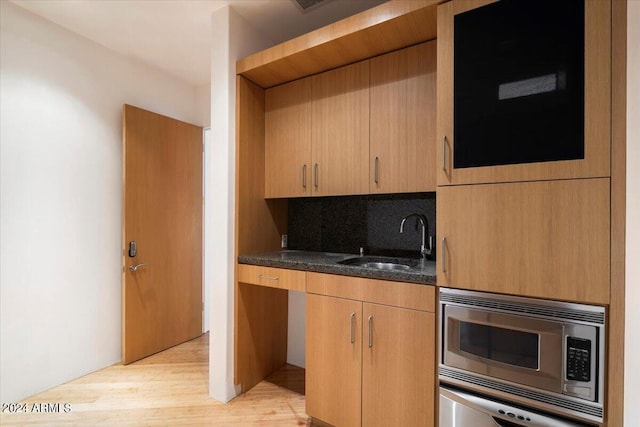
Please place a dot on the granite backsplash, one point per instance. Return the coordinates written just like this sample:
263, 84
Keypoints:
344, 224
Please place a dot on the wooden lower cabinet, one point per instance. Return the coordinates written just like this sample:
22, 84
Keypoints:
334, 360
369, 364
397, 367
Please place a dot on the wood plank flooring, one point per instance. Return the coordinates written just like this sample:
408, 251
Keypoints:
167, 389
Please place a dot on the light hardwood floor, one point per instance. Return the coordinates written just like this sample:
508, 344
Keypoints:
167, 389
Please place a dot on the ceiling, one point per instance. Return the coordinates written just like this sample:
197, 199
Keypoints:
175, 35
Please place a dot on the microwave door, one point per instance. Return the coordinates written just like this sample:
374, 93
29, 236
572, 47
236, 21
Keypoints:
513, 348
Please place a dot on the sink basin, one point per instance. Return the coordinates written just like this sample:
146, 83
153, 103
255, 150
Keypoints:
379, 263
385, 266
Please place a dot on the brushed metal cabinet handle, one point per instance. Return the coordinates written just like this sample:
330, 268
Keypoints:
315, 175
262, 276
376, 170
444, 254
304, 176
352, 327
370, 321
444, 153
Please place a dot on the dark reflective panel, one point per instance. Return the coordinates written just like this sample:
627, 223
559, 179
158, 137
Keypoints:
519, 83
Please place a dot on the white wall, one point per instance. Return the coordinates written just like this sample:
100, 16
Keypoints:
632, 279
203, 103
296, 336
232, 39
60, 140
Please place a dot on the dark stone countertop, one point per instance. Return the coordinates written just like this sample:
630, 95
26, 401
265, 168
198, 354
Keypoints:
423, 272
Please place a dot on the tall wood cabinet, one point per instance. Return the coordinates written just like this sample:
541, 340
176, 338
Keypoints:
368, 363
539, 229
403, 116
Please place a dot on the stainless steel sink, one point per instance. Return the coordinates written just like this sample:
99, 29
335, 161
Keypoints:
385, 266
379, 263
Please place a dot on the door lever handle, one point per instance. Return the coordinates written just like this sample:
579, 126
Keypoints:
135, 268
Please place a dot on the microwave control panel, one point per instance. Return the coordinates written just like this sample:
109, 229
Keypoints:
578, 359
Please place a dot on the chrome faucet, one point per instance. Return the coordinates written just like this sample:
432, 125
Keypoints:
422, 220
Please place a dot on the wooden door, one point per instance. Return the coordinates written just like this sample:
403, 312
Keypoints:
597, 106
340, 131
547, 239
333, 352
398, 367
162, 299
403, 119
288, 140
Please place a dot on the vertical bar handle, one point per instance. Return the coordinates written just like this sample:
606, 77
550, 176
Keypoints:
376, 170
370, 321
315, 175
304, 176
352, 327
444, 254
444, 153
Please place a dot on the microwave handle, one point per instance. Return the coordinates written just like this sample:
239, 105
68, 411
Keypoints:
489, 407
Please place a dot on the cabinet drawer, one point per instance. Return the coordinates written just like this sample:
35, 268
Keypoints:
397, 294
272, 277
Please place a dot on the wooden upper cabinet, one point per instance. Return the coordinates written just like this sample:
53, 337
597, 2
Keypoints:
403, 117
593, 162
545, 239
340, 131
288, 140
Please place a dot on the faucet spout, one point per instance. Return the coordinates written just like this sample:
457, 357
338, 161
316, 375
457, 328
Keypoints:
420, 220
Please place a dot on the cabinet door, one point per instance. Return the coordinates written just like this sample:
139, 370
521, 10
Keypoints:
340, 131
546, 239
288, 140
403, 116
597, 106
334, 356
398, 367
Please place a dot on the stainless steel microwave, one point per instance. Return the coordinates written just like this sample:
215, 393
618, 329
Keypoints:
544, 354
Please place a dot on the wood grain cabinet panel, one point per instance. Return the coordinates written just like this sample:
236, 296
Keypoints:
597, 106
547, 239
369, 364
364, 128
288, 140
398, 367
403, 116
334, 360
271, 277
340, 131
397, 294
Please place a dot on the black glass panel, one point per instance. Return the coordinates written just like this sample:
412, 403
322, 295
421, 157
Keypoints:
502, 345
519, 83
